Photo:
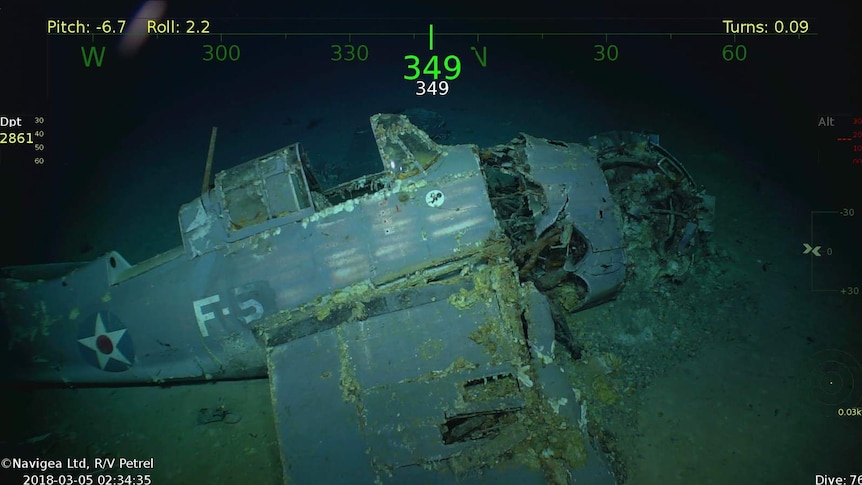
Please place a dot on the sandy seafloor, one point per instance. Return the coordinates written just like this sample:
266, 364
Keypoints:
716, 385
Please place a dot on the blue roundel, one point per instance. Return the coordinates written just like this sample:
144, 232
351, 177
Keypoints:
105, 343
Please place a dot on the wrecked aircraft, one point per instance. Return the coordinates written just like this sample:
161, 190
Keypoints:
410, 319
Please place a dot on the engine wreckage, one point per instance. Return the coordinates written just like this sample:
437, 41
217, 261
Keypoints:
411, 322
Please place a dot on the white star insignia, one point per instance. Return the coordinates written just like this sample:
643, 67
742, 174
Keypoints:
104, 344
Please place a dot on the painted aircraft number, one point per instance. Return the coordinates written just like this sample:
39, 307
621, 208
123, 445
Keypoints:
250, 309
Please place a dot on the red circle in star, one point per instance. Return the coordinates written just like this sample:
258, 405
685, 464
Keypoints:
104, 344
